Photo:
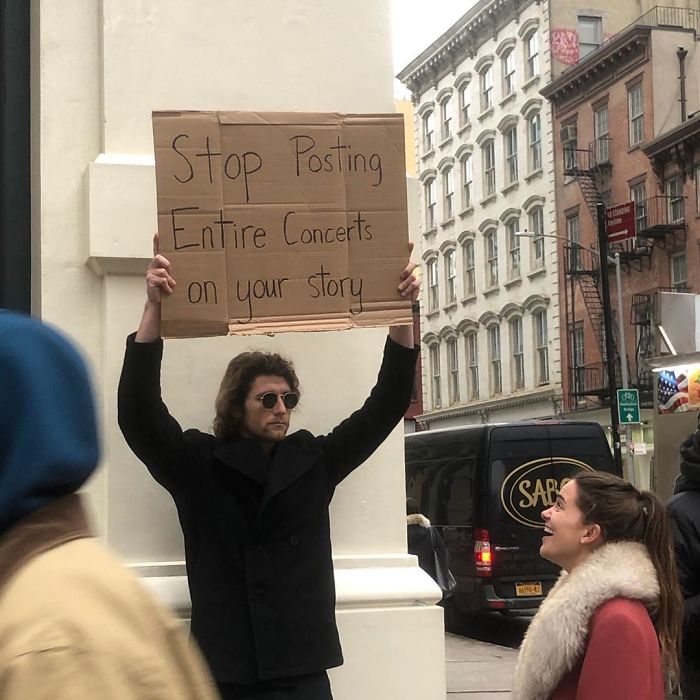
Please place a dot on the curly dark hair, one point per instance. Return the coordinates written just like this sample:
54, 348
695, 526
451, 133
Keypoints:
235, 385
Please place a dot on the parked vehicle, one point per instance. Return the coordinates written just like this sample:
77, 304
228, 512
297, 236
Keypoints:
484, 487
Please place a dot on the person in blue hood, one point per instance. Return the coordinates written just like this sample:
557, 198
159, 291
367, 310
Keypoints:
74, 623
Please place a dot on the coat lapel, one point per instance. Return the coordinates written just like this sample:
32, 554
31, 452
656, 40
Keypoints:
246, 457
289, 463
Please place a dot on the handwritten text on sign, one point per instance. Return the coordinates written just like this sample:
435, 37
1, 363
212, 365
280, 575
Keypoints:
281, 221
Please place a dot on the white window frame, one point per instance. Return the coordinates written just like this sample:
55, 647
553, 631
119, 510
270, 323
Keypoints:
464, 103
430, 204
510, 147
518, 352
495, 366
534, 133
601, 134
450, 276
596, 24
428, 123
469, 266
433, 284
448, 192
491, 250
573, 236
452, 370
467, 174
472, 352
638, 195
679, 270
532, 55
486, 87
676, 200
434, 352
635, 102
446, 118
536, 220
541, 347
508, 67
514, 257
488, 157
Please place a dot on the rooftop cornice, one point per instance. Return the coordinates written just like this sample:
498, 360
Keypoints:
687, 131
461, 40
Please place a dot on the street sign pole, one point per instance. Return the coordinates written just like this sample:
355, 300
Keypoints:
607, 321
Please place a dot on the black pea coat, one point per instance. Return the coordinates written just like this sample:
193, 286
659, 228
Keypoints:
258, 548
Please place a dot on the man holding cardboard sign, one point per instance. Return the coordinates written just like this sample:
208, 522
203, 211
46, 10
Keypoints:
253, 501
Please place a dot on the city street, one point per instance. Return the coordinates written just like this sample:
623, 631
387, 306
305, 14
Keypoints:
480, 659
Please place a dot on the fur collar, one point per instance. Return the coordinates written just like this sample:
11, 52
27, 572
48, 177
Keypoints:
417, 519
556, 638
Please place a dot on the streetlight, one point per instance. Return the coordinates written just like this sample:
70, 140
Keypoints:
607, 322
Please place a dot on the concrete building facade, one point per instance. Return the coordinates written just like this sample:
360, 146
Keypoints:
99, 67
490, 308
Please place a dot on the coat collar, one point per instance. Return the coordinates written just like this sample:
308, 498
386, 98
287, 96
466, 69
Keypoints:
290, 461
61, 521
556, 638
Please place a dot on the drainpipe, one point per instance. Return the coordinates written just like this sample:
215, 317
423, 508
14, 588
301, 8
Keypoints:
682, 53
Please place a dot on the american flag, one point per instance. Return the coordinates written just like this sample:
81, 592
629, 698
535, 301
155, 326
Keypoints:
673, 392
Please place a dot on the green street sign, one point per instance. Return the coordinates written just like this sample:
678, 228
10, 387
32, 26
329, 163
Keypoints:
628, 406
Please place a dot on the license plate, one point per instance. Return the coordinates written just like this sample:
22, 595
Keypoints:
528, 589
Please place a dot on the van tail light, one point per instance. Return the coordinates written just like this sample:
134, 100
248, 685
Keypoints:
482, 553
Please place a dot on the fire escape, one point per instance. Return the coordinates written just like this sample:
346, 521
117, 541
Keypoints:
660, 222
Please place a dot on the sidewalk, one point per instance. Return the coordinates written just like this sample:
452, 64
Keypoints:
477, 670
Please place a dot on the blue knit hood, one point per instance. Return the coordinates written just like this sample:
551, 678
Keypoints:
48, 432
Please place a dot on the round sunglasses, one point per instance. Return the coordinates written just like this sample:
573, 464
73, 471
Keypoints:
269, 399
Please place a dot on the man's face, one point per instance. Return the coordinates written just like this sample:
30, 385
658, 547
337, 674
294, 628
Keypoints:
268, 425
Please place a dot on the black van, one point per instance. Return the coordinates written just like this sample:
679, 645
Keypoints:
484, 487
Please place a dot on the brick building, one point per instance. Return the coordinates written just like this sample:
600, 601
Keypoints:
612, 111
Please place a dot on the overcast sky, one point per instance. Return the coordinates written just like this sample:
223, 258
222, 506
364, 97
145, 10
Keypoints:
416, 24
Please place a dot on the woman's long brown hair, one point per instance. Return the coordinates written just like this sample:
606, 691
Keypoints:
626, 514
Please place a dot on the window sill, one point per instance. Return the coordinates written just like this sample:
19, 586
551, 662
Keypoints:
447, 223
513, 283
430, 232
510, 188
434, 313
636, 147
427, 155
467, 212
535, 80
536, 273
452, 306
469, 300
534, 174
445, 142
464, 128
508, 98
491, 290
488, 200
485, 114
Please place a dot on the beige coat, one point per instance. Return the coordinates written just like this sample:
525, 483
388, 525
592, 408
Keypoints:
75, 624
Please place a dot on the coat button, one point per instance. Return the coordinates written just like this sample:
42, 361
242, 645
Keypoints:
294, 540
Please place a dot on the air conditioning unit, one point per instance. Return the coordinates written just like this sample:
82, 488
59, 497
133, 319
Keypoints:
568, 133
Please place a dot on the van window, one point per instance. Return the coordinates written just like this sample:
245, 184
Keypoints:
440, 476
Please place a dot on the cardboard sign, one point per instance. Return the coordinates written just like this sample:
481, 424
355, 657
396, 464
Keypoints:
281, 221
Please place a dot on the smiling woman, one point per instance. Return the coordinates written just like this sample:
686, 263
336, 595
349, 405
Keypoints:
610, 628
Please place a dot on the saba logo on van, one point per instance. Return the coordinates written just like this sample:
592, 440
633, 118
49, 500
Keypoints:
532, 487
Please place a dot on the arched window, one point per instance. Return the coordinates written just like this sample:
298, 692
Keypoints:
534, 138
488, 164
472, 357
508, 68
532, 54
486, 87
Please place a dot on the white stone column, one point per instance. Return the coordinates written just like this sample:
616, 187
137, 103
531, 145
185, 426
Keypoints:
99, 69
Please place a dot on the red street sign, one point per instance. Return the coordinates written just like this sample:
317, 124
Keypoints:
619, 222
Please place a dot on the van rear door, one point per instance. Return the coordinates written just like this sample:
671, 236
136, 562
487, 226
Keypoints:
528, 464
